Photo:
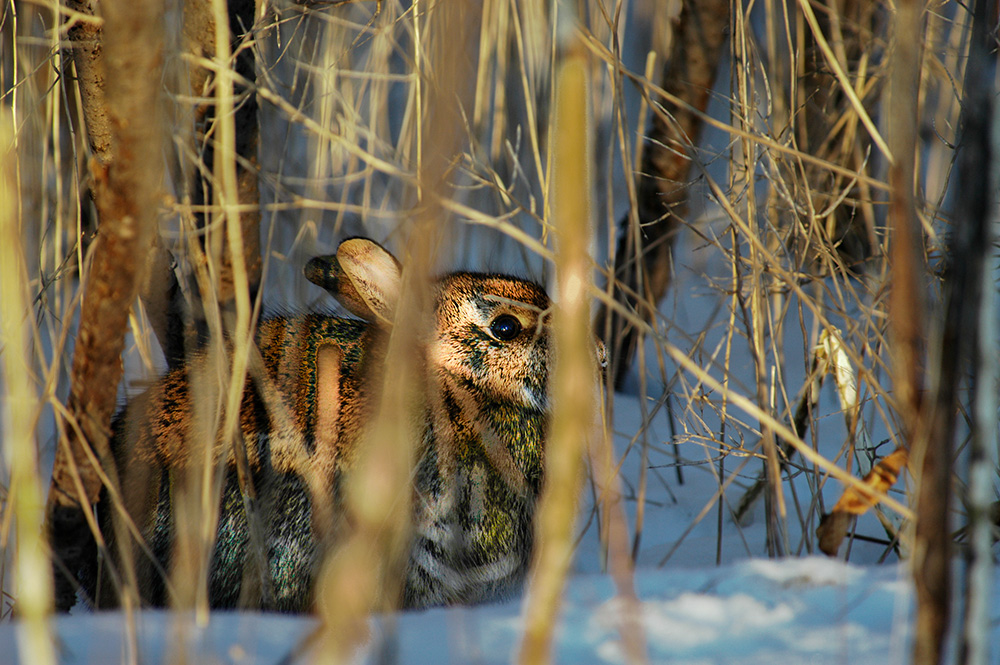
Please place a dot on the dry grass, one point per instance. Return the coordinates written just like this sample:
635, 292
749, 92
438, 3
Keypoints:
779, 386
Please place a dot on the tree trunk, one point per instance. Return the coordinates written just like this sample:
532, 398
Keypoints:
119, 68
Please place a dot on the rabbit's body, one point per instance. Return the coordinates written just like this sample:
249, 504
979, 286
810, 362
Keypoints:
304, 410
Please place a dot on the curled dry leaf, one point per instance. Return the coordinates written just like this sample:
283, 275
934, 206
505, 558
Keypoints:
833, 527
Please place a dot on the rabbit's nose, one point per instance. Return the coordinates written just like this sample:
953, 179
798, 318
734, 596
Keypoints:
323, 271
602, 354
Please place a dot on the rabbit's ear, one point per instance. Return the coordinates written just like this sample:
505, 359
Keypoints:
363, 276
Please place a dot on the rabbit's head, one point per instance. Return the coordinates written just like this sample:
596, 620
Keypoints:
492, 338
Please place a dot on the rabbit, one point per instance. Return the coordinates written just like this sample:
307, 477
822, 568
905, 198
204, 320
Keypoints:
478, 472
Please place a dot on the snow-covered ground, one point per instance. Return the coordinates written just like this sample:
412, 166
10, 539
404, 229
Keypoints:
812, 610
707, 593
741, 610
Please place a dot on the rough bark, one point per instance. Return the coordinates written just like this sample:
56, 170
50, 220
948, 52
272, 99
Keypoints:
86, 39
643, 263
127, 193
159, 290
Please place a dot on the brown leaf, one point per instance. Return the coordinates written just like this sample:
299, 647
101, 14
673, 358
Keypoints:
833, 527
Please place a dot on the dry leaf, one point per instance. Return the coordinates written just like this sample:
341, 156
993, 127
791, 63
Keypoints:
833, 527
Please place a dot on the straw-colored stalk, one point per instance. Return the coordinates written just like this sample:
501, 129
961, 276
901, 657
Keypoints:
366, 572
224, 272
33, 574
775, 508
573, 403
620, 565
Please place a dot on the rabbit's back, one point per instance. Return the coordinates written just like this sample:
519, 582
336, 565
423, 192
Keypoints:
312, 364
302, 410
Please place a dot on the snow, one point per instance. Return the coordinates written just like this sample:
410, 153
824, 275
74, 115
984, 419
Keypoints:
809, 610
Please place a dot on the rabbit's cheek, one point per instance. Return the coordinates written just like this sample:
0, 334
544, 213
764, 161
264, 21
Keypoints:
535, 399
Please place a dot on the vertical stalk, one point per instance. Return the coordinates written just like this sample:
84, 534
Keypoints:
367, 572
33, 577
227, 199
905, 298
571, 427
777, 538
973, 239
975, 645
927, 423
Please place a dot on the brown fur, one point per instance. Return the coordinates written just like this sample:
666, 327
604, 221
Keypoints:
306, 403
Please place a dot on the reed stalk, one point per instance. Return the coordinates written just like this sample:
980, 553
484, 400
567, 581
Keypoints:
21, 410
571, 428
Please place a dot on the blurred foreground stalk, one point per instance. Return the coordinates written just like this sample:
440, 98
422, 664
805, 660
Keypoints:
366, 571
572, 398
32, 572
927, 421
970, 323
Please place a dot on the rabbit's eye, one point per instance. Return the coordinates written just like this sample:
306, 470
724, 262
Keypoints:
505, 327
